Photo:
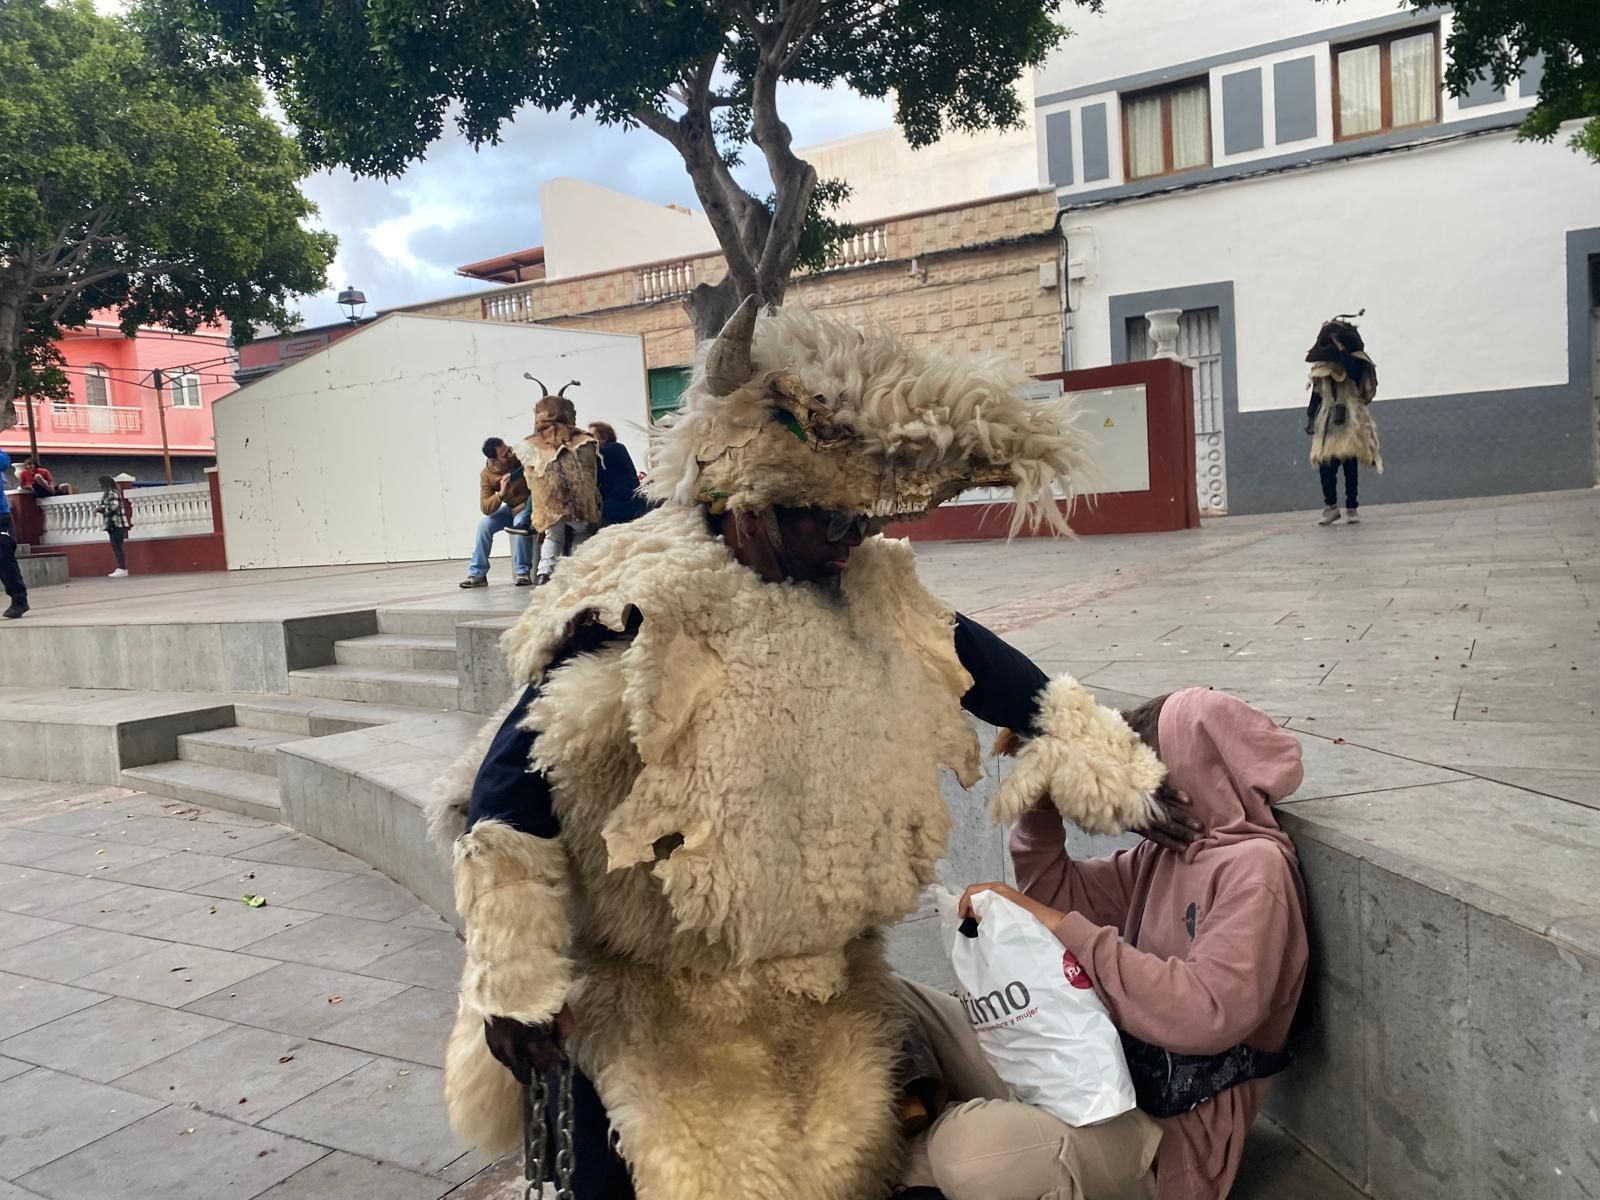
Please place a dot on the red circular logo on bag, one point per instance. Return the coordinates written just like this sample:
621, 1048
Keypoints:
1073, 970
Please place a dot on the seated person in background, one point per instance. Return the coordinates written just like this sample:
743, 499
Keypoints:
1198, 951
503, 499
620, 500
38, 480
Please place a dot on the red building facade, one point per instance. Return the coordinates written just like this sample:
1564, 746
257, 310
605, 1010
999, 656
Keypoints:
111, 424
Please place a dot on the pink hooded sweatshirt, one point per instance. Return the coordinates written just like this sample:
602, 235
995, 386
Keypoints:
1200, 952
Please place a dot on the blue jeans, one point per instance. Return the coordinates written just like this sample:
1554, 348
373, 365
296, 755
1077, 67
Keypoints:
521, 547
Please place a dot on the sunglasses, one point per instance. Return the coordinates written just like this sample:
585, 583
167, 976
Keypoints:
842, 524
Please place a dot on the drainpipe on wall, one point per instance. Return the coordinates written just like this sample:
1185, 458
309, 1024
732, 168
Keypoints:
1065, 287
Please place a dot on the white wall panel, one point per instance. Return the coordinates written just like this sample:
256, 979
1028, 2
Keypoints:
368, 451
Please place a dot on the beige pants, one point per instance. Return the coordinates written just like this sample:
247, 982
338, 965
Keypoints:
987, 1146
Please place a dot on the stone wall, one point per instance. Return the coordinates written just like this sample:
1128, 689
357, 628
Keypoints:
964, 279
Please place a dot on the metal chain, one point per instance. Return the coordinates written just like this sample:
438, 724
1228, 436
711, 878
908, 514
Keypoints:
533, 1139
536, 1136
564, 1156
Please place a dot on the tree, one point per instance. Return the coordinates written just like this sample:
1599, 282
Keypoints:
1495, 39
369, 84
167, 199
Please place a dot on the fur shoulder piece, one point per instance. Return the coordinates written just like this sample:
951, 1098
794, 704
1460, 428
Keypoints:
1086, 760
669, 549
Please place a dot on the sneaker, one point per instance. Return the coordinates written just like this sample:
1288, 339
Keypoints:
18, 607
523, 581
517, 531
1329, 515
541, 579
1350, 517
119, 573
472, 581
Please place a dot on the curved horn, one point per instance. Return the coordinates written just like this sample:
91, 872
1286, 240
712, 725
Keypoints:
565, 386
728, 365
544, 391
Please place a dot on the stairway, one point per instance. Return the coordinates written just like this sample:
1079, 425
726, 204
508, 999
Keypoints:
234, 769
410, 662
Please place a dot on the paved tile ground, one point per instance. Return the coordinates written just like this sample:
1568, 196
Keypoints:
159, 1038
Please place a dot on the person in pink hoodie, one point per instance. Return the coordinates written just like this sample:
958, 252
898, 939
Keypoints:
1199, 952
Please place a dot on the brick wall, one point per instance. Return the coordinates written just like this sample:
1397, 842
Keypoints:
974, 288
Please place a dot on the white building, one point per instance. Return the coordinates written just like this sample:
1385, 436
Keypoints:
1265, 164
296, 450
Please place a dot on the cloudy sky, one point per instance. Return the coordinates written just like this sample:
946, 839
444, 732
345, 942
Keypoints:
401, 241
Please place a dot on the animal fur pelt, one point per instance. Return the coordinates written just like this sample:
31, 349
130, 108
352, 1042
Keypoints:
562, 466
1086, 760
748, 789
816, 413
1357, 435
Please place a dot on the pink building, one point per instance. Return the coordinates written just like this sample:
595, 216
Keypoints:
111, 425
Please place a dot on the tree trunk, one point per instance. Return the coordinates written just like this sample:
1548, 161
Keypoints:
10, 336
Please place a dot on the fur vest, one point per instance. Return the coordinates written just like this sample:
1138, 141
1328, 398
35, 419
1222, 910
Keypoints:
564, 480
1357, 435
748, 790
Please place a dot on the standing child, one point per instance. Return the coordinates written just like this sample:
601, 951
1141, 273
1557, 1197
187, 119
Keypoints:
114, 510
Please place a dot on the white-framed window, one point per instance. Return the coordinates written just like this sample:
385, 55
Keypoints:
97, 384
185, 388
1167, 131
1391, 82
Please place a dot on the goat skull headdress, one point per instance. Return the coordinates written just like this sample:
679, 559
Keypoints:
797, 410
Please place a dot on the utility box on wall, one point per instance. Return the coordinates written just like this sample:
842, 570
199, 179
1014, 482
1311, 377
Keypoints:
369, 450
1141, 417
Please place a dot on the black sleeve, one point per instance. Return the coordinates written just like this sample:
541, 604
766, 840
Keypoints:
1311, 408
1006, 684
506, 788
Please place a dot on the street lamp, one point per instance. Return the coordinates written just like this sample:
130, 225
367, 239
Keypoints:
353, 302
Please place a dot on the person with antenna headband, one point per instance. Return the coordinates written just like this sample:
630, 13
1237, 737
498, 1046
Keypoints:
561, 462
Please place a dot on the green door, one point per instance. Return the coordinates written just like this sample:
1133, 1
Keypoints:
667, 386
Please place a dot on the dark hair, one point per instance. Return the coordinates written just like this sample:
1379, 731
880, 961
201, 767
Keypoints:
491, 445
1145, 720
603, 433
106, 481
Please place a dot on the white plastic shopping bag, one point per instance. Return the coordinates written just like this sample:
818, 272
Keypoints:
1035, 1012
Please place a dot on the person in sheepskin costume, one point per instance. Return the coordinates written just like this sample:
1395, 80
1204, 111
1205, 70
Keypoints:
676, 848
561, 463
1343, 383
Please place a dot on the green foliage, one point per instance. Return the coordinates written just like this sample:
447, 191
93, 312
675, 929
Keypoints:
823, 232
1494, 39
168, 197
371, 84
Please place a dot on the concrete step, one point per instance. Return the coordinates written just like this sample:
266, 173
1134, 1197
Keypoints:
383, 779
405, 651
497, 600
415, 689
242, 792
253, 750
311, 716
41, 568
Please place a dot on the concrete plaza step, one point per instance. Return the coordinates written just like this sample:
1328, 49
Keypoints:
243, 792
403, 651
313, 716
41, 568
414, 689
235, 748
436, 620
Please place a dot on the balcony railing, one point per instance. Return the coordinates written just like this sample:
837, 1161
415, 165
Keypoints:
665, 281
93, 418
861, 249
175, 510
509, 306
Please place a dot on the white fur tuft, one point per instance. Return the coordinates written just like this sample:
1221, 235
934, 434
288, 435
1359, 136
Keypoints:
1087, 761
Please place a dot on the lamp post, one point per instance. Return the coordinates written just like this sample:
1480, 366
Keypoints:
354, 303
